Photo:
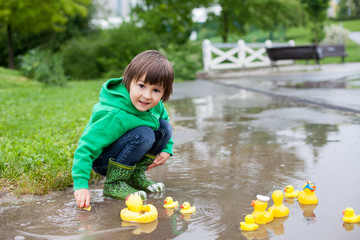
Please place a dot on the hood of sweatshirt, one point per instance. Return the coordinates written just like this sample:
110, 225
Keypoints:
114, 93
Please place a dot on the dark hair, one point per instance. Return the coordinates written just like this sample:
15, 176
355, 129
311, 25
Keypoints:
157, 68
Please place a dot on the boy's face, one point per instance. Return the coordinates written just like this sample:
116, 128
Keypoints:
144, 95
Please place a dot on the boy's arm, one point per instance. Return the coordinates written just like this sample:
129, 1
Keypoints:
95, 138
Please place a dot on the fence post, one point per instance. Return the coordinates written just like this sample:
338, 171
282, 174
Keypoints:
206, 46
268, 44
242, 52
292, 43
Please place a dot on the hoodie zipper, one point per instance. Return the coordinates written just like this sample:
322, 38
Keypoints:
157, 124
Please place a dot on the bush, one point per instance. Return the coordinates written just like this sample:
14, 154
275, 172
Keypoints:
335, 34
80, 57
186, 59
106, 53
43, 66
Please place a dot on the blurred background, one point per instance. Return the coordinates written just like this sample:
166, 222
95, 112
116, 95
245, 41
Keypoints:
57, 41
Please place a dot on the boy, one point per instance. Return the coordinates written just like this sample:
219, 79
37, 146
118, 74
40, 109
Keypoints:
128, 131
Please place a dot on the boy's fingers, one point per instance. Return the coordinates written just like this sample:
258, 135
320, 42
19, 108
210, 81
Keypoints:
82, 198
151, 166
78, 200
82, 203
87, 201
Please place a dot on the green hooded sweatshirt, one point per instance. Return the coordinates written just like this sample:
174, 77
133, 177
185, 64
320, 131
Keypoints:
111, 118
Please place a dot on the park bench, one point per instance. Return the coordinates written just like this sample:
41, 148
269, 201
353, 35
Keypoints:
333, 51
305, 52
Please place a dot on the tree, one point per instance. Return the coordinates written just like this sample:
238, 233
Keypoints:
170, 19
317, 10
265, 14
36, 16
348, 9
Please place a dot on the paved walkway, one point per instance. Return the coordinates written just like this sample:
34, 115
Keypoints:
335, 86
355, 36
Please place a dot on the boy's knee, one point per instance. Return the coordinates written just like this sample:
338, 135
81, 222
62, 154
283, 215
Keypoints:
146, 136
166, 127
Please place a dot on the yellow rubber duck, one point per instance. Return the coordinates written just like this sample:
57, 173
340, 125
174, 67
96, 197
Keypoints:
349, 216
307, 195
249, 224
260, 214
137, 212
290, 193
187, 209
86, 209
169, 203
278, 209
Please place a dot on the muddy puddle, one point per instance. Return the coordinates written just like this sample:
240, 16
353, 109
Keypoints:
230, 145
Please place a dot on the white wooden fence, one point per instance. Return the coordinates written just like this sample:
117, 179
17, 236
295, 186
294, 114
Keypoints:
238, 55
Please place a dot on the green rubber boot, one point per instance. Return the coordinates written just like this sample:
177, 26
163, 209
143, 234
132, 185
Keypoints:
115, 184
139, 180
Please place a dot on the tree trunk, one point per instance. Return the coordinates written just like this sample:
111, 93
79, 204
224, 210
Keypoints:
10, 48
225, 24
271, 35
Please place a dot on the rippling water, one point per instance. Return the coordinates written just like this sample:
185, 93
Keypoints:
229, 147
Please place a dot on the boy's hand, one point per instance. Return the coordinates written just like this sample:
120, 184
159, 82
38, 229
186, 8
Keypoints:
82, 197
159, 160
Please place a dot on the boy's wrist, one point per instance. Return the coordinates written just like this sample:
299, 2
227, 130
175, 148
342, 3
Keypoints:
81, 183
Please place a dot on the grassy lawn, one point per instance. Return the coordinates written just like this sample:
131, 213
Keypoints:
351, 25
39, 130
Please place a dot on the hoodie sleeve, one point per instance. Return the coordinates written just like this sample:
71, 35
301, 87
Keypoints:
96, 136
169, 146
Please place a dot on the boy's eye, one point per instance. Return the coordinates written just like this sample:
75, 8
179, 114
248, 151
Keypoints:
157, 90
141, 85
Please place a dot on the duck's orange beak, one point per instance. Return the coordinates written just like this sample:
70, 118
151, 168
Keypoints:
182, 206
127, 197
253, 203
343, 212
165, 201
284, 189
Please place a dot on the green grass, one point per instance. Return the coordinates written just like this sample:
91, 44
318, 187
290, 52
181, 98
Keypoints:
39, 130
301, 35
351, 25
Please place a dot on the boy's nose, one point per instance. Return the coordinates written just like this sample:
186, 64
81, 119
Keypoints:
146, 94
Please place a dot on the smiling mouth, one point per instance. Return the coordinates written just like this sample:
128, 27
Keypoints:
144, 103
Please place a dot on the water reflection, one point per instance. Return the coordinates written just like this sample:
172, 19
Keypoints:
350, 226
277, 225
318, 134
141, 227
237, 152
308, 212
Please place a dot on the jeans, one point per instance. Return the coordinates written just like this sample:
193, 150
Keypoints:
133, 145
